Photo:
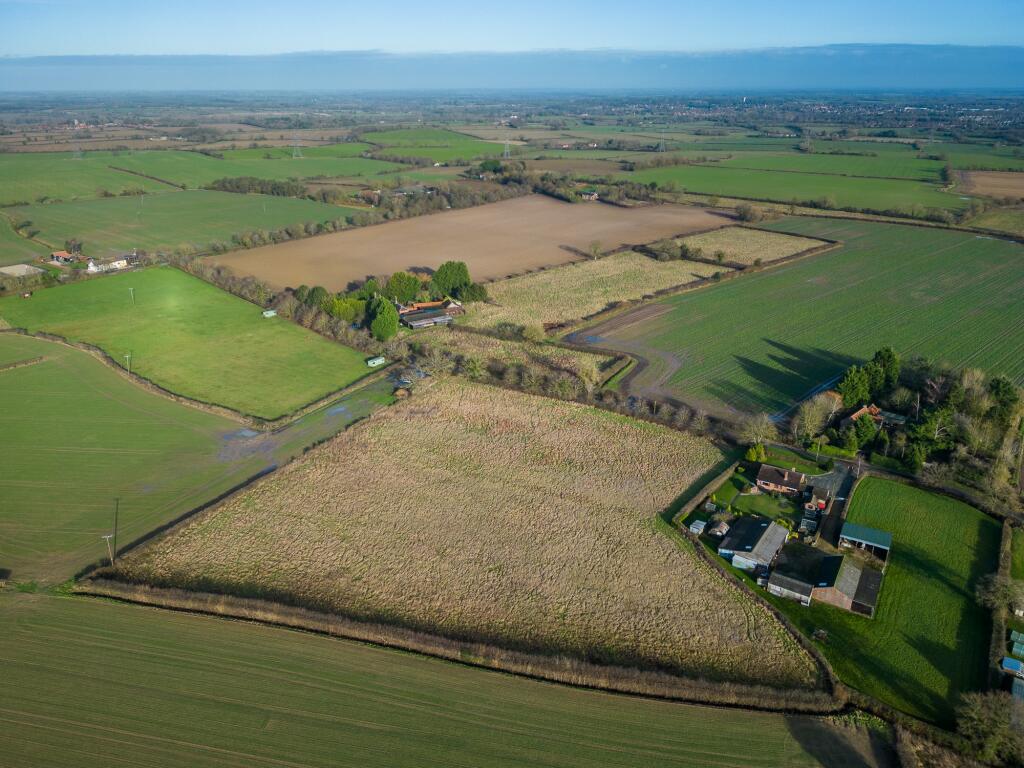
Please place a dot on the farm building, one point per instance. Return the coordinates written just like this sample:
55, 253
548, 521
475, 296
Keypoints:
424, 318
871, 540
63, 257
589, 194
753, 542
787, 481
697, 527
790, 587
877, 415
21, 270
1016, 637
806, 574
1017, 690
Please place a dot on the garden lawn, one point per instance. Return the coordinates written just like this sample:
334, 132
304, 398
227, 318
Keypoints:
783, 186
928, 642
164, 222
193, 339
761, 341
89, 683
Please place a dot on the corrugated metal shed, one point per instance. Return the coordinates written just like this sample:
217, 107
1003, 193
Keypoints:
865, 535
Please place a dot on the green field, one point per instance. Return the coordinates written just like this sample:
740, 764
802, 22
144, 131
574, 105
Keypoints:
1010, 220
884, 166
928, 641
74, 435
95, 683
783, 186
758, 342
436, 144
193, 339
14, 248
27, 176
164, 222
193, 169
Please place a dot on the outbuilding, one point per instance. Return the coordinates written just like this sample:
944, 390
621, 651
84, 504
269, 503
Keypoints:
697, 527
878, 543
375, 362
790, 587
753, 542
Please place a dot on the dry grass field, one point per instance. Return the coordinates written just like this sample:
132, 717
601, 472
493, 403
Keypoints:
994, 183
490, 515
496, 240
744, 245
579, 290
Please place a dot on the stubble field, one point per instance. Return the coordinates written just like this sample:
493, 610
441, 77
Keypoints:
493, 516
495, 240
579, 290
744, 245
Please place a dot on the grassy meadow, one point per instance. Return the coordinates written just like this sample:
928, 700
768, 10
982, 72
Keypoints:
193, 339
164, 222
808, 320
192, 169
578, 290
928, 641
25, 177
785, 186
90, 683
489, 515
888, 165
81, 435
437, 144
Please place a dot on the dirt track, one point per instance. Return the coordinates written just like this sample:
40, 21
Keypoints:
496, 241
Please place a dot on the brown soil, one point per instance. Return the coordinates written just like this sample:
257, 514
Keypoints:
496, 241
994, 183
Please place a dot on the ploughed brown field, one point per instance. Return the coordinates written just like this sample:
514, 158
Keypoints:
496, 241
994, 183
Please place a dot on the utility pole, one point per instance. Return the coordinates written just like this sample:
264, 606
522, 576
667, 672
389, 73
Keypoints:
128, 358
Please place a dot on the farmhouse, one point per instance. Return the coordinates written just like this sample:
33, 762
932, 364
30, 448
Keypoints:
753, 542
787, 481
871, 540
21, 270
63, 257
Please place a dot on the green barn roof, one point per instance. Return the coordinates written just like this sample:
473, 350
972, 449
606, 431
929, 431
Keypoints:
866, 535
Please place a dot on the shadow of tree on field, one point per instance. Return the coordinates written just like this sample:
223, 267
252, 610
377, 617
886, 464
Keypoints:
840, 746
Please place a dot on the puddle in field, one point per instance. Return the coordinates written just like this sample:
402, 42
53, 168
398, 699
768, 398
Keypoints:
334, 410
244, 443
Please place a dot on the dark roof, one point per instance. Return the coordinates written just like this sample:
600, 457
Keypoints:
756, 536
787, 478
790, 583
848, 578
866, 535
868, 588
828, 570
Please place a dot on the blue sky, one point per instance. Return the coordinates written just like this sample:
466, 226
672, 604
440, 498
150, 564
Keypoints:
48, 27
